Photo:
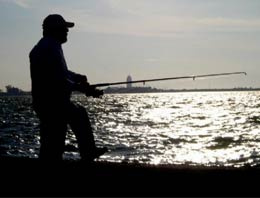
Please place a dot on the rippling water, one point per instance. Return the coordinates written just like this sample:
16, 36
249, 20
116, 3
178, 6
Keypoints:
209, 128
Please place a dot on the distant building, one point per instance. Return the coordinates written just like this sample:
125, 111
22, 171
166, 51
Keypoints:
129, 79
13, 90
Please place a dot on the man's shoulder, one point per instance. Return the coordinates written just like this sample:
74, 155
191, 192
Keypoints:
48, 43
46, 46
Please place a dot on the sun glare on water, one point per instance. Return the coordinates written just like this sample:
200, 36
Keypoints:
200, 128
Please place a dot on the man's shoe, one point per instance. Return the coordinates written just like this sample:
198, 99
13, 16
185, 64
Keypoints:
96, 153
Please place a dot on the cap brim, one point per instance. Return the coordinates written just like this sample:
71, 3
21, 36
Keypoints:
70, 24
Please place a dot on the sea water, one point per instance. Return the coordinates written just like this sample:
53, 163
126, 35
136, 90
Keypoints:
194, 128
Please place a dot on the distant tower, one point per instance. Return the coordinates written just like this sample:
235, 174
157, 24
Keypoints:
128, 79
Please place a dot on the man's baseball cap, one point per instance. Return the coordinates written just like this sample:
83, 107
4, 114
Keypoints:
56, 21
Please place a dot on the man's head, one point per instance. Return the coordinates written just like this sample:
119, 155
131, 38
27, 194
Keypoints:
55, 26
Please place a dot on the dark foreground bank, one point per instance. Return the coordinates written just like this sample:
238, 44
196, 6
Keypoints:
30, 177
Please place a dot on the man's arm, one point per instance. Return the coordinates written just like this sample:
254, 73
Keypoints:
79, 83
77, 78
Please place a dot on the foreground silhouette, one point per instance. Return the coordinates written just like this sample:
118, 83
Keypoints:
30, 177
52, 85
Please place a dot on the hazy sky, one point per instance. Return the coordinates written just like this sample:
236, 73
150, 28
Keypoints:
144, 38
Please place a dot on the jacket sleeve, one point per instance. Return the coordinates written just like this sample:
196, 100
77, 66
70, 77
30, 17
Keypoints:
76, 78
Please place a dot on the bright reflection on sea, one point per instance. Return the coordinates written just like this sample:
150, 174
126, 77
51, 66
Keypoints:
210, 128
196, 128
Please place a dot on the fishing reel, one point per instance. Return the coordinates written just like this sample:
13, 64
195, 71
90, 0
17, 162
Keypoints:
88, 90
94, 92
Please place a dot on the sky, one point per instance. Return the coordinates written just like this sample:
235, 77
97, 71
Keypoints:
142, 38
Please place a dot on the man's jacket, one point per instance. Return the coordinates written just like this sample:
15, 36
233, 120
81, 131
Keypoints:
52, 82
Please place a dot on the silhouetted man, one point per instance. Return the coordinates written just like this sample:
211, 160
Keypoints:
52, 85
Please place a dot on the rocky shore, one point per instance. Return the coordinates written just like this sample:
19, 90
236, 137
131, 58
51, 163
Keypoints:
30, 177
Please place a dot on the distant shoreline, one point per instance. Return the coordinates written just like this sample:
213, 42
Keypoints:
122, 90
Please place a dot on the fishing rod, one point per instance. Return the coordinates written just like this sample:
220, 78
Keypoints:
170, 78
